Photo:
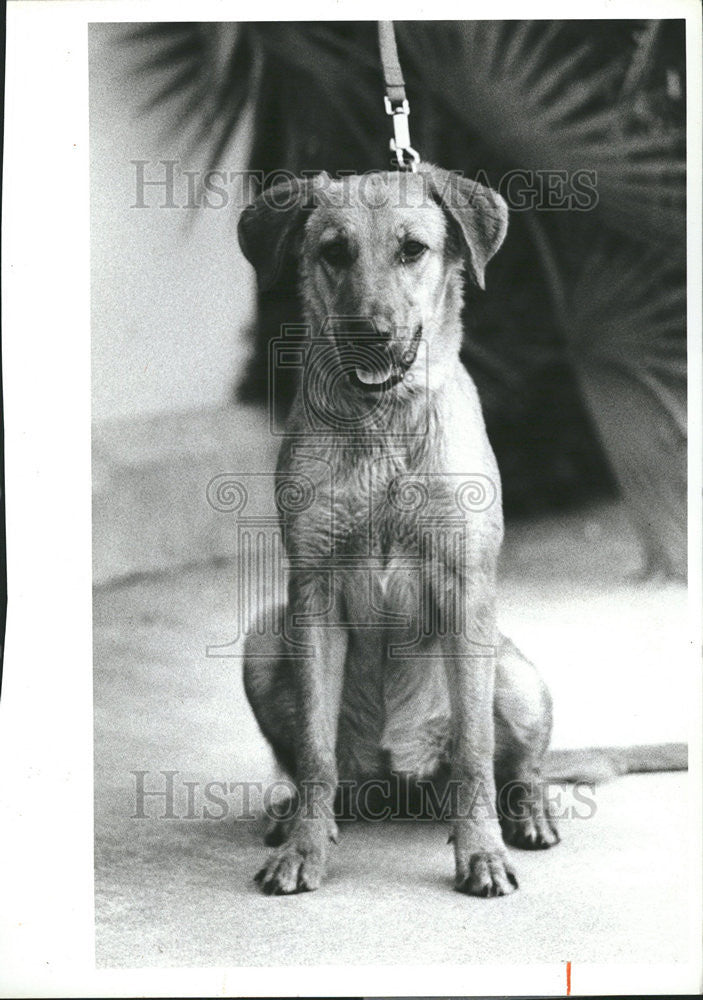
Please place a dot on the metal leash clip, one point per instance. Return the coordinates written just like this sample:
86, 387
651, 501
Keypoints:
408, 158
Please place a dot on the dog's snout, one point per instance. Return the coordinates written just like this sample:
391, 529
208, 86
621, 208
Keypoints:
379, 316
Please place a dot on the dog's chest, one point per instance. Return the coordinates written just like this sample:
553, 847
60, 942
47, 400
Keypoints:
395, 707
381, 505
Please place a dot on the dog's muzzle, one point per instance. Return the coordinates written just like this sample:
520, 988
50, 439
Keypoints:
374, 363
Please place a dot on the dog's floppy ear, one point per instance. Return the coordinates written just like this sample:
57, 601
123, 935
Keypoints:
267, 228
479, 215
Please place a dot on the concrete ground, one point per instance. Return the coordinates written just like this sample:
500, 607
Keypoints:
179, 891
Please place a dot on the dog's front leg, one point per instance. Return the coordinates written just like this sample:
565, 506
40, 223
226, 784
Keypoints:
482, 866
299, 864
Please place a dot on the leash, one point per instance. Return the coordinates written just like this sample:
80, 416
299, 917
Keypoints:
395, 101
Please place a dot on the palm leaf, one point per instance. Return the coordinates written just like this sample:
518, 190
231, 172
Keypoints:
205, 72
210, 72
627, 344
622, 321
531, 112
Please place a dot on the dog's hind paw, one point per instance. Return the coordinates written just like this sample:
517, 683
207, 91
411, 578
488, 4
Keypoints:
535, 832
486, 874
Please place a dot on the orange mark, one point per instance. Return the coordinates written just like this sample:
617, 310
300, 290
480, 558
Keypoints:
568, 979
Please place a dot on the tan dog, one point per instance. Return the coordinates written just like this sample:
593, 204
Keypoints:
389, 662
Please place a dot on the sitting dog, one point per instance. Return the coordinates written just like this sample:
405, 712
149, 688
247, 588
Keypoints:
386, 659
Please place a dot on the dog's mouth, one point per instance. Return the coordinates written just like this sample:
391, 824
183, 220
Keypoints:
374, 364
377, 371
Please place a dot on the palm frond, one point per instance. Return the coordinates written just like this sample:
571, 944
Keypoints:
532, 112
210, 70
205, 72
627, 343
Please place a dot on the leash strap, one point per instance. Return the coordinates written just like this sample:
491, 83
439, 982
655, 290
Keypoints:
396, 102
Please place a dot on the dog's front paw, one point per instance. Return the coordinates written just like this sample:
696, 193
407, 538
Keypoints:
486, 873
298, 865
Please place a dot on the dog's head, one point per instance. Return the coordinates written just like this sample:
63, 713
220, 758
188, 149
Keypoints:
380, 257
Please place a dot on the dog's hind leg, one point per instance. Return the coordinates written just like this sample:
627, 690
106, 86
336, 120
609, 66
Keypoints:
523, 726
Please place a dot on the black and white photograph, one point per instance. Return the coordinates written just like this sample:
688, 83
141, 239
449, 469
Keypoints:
378, 448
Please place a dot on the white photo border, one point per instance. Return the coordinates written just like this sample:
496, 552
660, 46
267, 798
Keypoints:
46, 719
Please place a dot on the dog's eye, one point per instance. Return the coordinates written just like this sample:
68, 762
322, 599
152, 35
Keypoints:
411, 251
336, 254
